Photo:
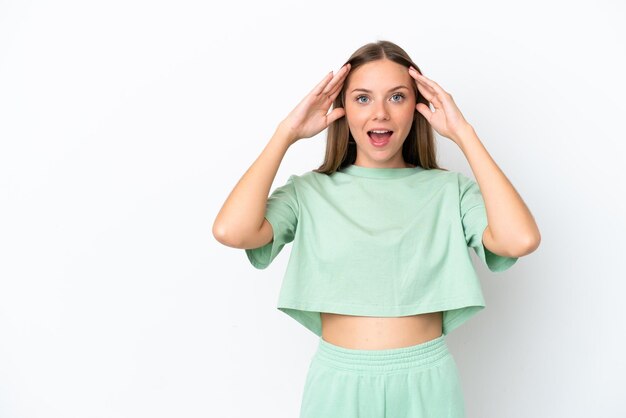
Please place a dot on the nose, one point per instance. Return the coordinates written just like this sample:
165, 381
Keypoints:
380, 111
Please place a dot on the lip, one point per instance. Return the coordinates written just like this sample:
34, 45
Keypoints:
379, 129
383, 143
379, 144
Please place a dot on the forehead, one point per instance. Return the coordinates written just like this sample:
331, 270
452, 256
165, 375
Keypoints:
379, 75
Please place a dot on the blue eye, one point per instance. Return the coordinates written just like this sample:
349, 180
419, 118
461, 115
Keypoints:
358, 99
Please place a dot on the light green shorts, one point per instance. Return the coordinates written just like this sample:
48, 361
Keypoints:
419, 381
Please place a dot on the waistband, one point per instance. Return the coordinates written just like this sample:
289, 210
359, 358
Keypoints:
391, 359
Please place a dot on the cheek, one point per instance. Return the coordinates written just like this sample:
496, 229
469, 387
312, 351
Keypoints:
406, 113
354, 116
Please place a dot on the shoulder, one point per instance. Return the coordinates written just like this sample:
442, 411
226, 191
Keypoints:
439, 177
310, 178
465, 182
454, 183
298, 183
461, 179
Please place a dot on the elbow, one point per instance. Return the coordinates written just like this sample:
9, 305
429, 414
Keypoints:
533, 241
527, 245
220, 233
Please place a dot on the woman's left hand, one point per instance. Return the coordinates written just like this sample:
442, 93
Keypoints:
447, 119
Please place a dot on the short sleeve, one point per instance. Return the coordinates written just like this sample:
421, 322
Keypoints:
474, 221
281, 211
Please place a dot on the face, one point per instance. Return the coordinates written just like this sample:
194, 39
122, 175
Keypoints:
380, 96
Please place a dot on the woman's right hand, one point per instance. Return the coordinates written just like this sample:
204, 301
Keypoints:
310, 116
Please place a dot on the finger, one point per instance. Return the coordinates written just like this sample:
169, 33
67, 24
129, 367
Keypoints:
337, 88
425, 89
421, 85
424, 110
320, 86
334, 115
428, 92
437, 98
340, 85
339, 77
334, 94
425, 80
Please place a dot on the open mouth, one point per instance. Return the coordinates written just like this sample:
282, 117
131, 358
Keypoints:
379, 136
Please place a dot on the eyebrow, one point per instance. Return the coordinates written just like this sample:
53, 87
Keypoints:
369, 91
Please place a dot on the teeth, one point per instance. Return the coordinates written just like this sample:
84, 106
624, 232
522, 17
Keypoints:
380, 132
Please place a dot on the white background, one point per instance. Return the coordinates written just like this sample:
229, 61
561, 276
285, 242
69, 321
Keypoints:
125, 124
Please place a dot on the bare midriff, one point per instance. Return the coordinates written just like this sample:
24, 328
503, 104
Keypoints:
379, 333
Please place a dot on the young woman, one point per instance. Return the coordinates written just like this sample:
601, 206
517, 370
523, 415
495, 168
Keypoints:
380, 267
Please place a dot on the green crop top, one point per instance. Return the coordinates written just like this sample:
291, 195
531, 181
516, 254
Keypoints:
382, 242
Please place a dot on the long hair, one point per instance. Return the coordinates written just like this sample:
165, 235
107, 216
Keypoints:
419, 146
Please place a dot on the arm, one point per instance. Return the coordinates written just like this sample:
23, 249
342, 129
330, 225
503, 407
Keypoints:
242, 215
511, 229
240, 222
